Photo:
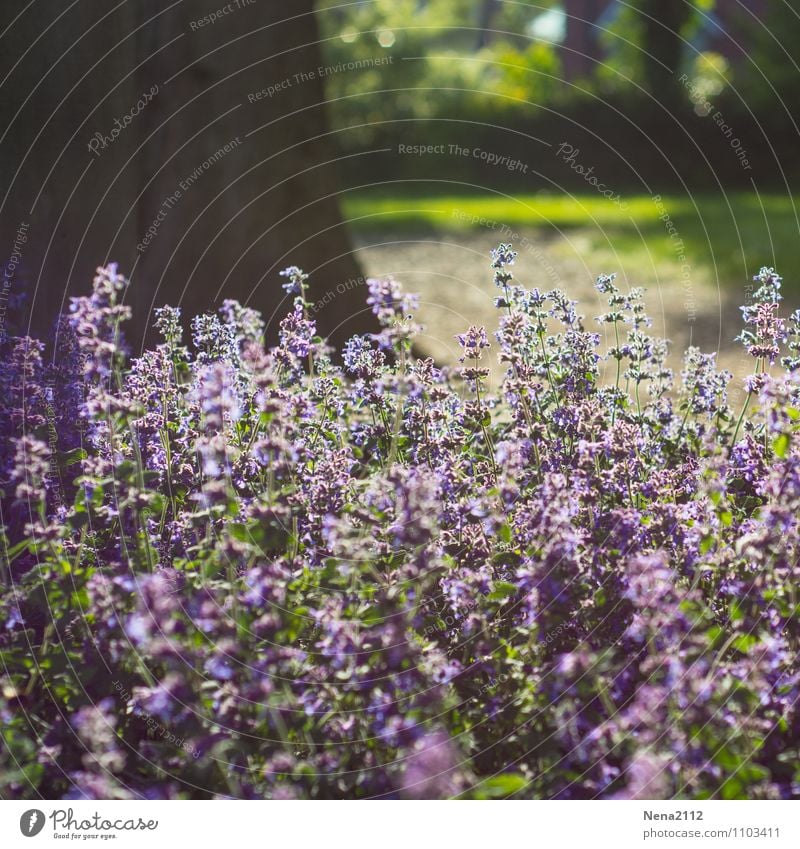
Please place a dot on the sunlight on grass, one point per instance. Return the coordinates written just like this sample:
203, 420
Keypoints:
725, 238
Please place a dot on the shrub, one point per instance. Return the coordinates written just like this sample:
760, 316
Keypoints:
245, 572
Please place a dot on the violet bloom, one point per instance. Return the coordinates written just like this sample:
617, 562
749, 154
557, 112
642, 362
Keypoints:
297, 333
296, 278
431, 769
473, 342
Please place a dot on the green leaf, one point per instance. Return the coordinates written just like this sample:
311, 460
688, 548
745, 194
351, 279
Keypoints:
732, 789
15, 550
736, 613
74, 456
502, 589
780, 445
744, 643
503, 785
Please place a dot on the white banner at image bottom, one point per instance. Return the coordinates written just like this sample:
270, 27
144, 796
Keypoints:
401, 825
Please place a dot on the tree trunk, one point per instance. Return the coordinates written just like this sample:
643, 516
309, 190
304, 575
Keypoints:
486, 15
200, 159
663, 23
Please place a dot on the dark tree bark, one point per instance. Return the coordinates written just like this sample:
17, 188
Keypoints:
223, 174
663, 23
486, 16
582, 48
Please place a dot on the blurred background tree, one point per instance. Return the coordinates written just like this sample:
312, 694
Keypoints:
649, 39
270, 199
468, 59
516, 79
553, 69
696, 101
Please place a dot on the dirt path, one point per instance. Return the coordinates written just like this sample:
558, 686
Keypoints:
452, 276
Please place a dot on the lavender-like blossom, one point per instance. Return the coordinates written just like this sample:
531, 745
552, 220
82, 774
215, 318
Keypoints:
255, 572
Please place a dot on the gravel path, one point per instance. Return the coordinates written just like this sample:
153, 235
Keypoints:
452, 276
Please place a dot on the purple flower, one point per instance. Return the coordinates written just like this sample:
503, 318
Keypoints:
296, 280
297, 333
472, 343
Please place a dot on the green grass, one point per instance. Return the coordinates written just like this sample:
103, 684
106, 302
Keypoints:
725, 238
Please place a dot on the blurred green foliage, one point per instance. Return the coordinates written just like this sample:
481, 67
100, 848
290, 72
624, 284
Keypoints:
439, 58
494, 73
642, 33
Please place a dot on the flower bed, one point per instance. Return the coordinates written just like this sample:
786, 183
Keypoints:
249, 572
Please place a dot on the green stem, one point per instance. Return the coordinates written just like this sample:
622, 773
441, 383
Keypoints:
619, 369
487, 438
